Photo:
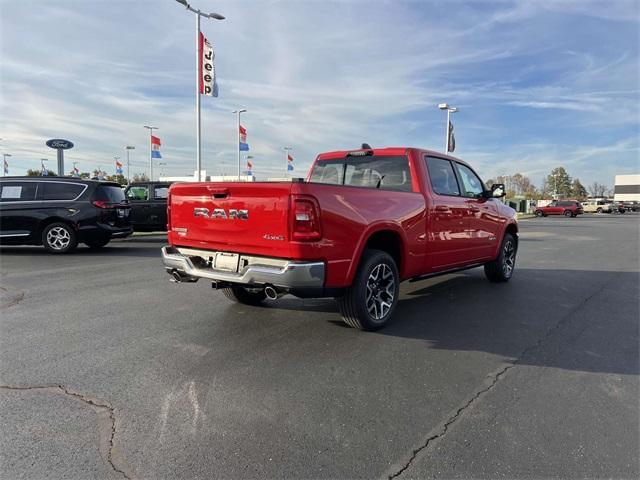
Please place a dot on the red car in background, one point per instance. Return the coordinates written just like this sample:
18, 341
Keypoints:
568, 208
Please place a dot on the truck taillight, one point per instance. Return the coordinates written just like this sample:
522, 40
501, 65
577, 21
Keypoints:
305, 219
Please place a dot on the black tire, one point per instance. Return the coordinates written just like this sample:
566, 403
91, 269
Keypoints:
599, 210
498, 271
59, 238
376, 283
240, 294
539, 213
568, 213
97, 243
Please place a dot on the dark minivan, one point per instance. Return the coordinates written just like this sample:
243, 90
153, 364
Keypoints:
59, 212
148, 202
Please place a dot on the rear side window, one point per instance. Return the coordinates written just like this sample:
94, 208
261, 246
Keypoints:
160, 192
18, 191
61, 191
109, 194
381, 172
442, 176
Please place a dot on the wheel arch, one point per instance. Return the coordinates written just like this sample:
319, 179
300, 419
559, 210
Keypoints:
48, 221
389, 238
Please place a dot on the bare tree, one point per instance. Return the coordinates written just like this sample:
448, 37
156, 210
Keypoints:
597, 189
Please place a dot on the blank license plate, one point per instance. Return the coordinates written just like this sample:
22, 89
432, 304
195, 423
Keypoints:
227, 261
123, 212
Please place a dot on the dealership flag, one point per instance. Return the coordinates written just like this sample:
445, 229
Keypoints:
289, 163
244, 146
6, 166
249, 167
76, 172
43, 170
451, 144
118, 168
155, 147
208, 84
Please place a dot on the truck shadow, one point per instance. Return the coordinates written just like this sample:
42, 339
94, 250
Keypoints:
539, 318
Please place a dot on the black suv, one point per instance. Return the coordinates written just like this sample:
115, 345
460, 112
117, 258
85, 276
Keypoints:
58, 212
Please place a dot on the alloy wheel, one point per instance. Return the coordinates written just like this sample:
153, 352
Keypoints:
508, 259
58, 238
381, 286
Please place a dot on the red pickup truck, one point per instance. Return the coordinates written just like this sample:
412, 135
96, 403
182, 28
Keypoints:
362, 222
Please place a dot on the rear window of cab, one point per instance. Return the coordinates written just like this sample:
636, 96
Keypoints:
371, 171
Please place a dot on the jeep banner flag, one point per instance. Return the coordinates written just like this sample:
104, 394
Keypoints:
244, 146
451, 143
208, 85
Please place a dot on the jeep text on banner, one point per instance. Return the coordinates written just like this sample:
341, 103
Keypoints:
207, 69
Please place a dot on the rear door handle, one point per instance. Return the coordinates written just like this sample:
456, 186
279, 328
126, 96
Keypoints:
442, 208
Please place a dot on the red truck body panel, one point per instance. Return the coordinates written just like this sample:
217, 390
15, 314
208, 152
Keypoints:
433, 232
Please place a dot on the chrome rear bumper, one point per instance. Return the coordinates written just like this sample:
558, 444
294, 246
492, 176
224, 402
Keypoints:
289, 274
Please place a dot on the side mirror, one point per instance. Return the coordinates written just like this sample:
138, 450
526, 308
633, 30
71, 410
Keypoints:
498, 190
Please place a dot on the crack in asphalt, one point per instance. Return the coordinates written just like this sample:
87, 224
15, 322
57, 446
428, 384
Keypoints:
495, 377
15, 299
93, 402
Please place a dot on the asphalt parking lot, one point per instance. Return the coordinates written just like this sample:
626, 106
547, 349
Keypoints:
108, 370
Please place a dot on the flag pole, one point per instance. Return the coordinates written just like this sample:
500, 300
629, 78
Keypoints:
198, 116
238, 145
151, 129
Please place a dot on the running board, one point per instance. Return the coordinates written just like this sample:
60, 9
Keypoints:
445, 272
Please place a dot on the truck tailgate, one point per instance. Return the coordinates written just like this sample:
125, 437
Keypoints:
235, 217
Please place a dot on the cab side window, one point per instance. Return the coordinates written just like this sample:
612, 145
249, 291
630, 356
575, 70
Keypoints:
442, 177
138, 193
472, 186
160, 192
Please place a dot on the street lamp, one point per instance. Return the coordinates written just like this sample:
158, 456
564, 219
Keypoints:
215, 16
5, 166
239, 112
151, 129
450, 110
127, 148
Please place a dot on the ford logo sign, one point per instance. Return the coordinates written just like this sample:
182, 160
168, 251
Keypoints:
59, 144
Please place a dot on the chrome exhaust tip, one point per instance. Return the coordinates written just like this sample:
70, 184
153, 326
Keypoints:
176, 277
270, 292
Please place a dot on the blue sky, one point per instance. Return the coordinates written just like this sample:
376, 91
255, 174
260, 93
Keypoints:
539, 84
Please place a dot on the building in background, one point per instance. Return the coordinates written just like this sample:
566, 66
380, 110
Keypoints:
627, 188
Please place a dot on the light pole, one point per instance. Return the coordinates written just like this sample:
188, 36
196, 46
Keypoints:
151, 129
215, 16
239, 112
127, 148
4, 162
450, 110
286, 161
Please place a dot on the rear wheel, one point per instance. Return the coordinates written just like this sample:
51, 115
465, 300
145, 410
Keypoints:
370, 301
599, 210
97, 243
59, 238
501, 269
568, 213
247, 296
